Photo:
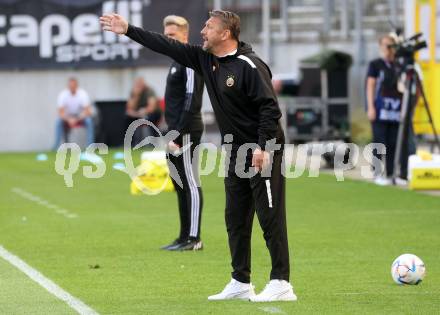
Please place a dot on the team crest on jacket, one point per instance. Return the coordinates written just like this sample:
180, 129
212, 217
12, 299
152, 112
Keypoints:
173, 70
230, 81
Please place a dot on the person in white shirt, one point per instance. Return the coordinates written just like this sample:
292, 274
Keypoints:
74, 110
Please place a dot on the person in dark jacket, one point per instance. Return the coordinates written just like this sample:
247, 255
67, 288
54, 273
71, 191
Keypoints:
248, 114
142, 103
183, 102
384, 104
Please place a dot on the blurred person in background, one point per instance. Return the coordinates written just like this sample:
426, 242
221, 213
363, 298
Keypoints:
74, 110
142, 103
183, 102
384, 106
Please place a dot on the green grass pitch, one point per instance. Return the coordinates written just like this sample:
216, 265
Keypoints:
343, 238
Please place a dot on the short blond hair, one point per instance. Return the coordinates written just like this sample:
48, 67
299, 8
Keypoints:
179, 21
387, 36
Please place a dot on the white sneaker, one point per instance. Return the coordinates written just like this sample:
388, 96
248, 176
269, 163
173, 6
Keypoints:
234, 290
383, 181
275, 290
401, 182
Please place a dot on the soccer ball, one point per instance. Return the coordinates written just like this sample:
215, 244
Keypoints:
408, 269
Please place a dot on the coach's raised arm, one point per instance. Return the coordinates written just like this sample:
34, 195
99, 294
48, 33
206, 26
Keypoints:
185, 54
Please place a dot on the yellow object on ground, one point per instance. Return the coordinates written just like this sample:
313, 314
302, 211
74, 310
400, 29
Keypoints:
153, 175
424, 171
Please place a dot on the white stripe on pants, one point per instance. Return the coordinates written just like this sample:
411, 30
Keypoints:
195, 197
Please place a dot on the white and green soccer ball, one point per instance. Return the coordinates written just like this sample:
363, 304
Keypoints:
408, 269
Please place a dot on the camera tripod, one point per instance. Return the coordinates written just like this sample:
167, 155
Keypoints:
413, 86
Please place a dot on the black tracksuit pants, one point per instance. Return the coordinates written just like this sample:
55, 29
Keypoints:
266, 196
387, 133
189, 196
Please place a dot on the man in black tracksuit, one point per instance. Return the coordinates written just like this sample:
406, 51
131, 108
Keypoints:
241, 93
183, 102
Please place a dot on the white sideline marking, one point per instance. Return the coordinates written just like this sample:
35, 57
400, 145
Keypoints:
46, 283
38, 200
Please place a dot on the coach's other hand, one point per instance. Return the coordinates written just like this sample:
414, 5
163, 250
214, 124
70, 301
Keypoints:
260, 159
114, 23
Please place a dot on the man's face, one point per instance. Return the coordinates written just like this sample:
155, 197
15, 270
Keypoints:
73, 86
175, 32
386, 49
213, 33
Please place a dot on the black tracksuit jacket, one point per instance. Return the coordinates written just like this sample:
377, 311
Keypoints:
183, 101
239, 86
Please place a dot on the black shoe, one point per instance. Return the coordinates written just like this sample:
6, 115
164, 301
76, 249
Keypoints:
175, 243
189, 244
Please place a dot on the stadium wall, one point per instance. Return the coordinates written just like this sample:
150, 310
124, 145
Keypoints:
27, 121
29, 108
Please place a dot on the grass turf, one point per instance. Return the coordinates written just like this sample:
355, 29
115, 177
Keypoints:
343, 237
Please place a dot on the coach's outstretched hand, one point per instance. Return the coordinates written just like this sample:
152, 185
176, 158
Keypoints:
114, 23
